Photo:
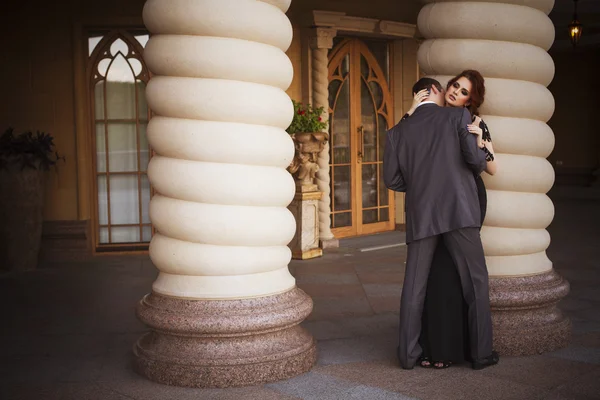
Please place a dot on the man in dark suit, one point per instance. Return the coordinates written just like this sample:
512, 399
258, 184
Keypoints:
432, 157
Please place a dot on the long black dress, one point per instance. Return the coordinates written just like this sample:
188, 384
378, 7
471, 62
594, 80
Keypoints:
444, 332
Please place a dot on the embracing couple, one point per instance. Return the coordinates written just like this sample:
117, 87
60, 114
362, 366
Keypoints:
436, 154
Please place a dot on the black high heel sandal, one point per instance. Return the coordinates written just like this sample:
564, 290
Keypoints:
422, 360
442, 364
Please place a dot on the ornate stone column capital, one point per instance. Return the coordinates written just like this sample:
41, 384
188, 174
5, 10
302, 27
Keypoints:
322, 38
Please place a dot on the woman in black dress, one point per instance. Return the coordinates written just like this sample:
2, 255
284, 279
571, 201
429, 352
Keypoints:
444, 332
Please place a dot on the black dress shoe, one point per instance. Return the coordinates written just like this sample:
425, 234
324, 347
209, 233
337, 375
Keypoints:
481, 363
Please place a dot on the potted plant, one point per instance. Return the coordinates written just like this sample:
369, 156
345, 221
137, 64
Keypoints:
308, 132
23, 160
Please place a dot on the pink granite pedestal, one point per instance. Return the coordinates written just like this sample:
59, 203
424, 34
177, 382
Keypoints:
525, 316
224, 343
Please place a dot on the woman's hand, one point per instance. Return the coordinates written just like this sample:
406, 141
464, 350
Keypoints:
476, 130
417, 99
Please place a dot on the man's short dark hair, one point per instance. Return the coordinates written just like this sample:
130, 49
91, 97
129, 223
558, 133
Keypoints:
426, 83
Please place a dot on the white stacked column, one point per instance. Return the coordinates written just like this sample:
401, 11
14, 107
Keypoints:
224, 310
507, 41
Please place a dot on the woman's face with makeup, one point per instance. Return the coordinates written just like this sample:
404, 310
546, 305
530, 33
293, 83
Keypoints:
459, 93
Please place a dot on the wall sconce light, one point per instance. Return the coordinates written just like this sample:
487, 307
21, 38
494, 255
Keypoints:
575, 28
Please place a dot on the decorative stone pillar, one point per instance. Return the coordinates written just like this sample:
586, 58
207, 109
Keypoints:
320, 42
507, 41
224, 310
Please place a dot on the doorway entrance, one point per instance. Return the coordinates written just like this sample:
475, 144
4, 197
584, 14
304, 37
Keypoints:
360, 107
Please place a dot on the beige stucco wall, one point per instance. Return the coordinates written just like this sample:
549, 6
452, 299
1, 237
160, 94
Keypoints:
38, 83
295, 55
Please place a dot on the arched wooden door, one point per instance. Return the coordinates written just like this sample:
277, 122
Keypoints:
360, 106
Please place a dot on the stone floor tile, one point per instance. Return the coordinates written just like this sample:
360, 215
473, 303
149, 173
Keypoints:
314, 386
372, 325
571, 303
389, 238
574, 353
377, 277
586, 385
385, 304
589, 339
589, 314
68, 331
364, 348
59, 391
36, 369
328, 290
327, 279
392, 267
339, 307
298, 268
55, 345
383, 289
539, 371
583, 325
117, 365
142, 389
458, 382
326, 330
88, 369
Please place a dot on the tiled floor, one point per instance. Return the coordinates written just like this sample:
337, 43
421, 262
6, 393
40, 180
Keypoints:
67, 331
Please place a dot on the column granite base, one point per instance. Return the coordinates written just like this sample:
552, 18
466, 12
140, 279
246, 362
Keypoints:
224, 343
525, 316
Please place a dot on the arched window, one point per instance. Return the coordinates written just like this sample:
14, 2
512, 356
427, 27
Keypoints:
119, 113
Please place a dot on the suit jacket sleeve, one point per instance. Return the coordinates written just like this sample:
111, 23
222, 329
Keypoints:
472, 154
392, 176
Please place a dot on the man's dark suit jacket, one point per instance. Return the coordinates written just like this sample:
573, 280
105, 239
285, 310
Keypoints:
432, 157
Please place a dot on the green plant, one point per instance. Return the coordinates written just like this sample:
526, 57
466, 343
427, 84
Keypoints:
306, 119
27, 150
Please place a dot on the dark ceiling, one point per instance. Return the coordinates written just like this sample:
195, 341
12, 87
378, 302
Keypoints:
588, 12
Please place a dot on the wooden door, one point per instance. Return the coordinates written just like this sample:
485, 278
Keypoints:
360, 106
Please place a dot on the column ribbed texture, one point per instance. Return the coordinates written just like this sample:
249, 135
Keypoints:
321, 99
507, 41
218, 92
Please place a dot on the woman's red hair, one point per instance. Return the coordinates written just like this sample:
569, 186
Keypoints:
477, 94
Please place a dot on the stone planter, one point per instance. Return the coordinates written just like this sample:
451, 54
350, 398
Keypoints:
21, 204
304, 207
304, 165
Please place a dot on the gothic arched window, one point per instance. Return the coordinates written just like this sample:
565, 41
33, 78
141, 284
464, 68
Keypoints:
119, 113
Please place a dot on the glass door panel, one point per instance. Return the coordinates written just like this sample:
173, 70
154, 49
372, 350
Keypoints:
359, 104
341, 149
